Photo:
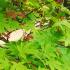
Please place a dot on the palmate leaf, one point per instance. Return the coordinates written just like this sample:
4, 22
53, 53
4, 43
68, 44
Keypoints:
18, 66
12, 51
7, 25
65, 28
12, 25
34, 3
62, 23
6, 64
55, 65
67, 11
65, 58
2, 51
49, 42
24, 51
67, 37
3, 60
65, 23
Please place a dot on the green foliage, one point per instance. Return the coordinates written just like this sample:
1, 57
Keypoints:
7, 24
50, 47
3, 4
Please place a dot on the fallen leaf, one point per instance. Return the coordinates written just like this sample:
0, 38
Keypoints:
2, 43
16, 35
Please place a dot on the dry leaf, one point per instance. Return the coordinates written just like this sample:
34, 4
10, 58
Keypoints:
16, 35
2, 43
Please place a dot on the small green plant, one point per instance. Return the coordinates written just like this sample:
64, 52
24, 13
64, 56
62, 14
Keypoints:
46, 47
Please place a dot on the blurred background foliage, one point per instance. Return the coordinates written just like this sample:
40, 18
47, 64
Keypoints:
50, 47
